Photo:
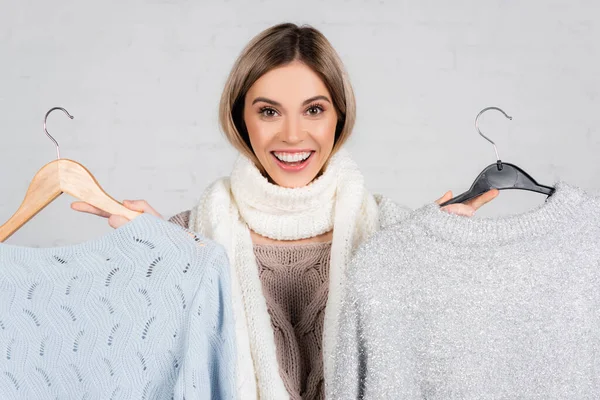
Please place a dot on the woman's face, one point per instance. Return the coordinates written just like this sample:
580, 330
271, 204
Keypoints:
291, 123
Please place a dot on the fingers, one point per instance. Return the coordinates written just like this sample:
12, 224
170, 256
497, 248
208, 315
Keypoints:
469, 207
115, 221
483, 199
141, 206
459, 209
82, 206
447, 196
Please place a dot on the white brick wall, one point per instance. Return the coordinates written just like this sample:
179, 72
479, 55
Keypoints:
143, 79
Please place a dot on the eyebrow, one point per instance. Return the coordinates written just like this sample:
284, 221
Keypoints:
276, 104
315, 98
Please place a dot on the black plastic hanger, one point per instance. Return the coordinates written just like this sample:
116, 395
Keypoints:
499, 175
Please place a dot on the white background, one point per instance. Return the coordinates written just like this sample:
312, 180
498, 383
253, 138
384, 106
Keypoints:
143, 80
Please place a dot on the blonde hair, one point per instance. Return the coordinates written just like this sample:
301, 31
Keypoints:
275, 47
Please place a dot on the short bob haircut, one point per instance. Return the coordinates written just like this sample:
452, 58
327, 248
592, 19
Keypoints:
276, 47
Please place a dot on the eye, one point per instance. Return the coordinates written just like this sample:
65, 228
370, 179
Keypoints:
268, 112
314, 109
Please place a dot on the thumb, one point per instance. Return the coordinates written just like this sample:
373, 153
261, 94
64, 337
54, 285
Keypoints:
447, 196
141, 206
115, 221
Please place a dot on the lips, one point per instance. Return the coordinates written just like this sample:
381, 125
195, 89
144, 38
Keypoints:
293, 161
292, 157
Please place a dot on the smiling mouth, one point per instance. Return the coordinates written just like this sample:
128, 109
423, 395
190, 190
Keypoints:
293, 161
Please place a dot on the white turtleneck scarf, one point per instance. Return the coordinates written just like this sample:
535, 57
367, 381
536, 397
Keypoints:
337, 200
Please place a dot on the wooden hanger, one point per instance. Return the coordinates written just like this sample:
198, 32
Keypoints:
58, 177
500, 175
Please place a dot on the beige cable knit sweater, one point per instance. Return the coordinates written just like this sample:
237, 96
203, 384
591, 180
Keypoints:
295, 282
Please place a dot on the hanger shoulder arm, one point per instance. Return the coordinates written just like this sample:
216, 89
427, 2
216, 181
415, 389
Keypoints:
79, 182
43, 189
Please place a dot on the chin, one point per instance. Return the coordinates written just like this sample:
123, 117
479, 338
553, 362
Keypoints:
293, 181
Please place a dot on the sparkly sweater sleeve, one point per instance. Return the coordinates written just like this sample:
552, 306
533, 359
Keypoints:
348, 384
367, 321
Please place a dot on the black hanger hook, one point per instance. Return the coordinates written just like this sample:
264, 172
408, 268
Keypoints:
46, 130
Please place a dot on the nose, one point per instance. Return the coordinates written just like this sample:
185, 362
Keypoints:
292, 132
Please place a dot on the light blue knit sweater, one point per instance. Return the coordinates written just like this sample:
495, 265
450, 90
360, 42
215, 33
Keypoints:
141, 313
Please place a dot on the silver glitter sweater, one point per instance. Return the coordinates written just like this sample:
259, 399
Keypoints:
446, 307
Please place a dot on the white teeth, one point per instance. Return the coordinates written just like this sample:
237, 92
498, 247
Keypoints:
292, 157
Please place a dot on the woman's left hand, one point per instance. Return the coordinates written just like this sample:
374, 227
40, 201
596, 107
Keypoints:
469, 207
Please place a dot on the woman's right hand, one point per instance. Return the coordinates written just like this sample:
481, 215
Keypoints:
116, 221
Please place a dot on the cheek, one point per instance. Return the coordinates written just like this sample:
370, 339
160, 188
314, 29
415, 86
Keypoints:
323, 132
259, 132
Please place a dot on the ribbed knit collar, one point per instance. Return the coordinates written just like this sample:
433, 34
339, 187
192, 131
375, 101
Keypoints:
556, 213
287, 213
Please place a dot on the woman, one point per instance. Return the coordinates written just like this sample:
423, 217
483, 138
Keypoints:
292, 211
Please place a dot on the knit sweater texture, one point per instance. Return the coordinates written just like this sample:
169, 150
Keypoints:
142, 312
446, 307
295, 282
